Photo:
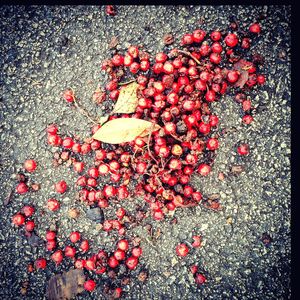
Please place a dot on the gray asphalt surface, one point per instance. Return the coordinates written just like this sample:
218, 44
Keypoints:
46, 49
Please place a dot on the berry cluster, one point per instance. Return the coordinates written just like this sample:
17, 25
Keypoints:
175, 91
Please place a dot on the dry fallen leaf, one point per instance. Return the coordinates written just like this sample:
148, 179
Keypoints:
242, 79
124, 130
127, 100
113, 43
65, 286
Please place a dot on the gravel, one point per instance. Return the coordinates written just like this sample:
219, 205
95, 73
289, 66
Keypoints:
49, 48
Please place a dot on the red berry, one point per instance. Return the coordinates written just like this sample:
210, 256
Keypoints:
79, 263
107, 225
260, 79
212, 144
196, 196
30, 165
246, 105
67, 142
133, 51
232, 76
119, 254
210, 96
50, 246
255, 28
231, 40
144, 65
118, 60
205, 49
93, 172
29, 226
22, 188
123, 192
109, 191
134, 67
84, 246
172, 98
27, 210
197, 241
53, 204
50, 235
182, 250
54, 140
86, 148
158, 214
123, 245
204, 128
128, 60
90, 264
131, 262
175, 164
136, 251
157, 68
57, 256
117, 293
103, 203
187, 39
198, 35
168, 67
69, 95
70, 251
245, 43
194, 269
40, 263
204, 169
52, 129
177, 150
200, 279
113, 262
61, 187
75, 236
90, 284
103, 169
213, 120
243, 149
215, 58
215, 35
247, 119
81, 181
161, 57
216, 47
78, 166
18, 219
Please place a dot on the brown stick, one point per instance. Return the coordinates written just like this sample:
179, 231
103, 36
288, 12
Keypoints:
83, 111
148, 144
190, 55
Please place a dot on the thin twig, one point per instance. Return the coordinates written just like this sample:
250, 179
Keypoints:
190, 55
148, 143
83, 111
124, 83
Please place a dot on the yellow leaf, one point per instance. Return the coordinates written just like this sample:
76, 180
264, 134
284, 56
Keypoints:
124, 130
127, 100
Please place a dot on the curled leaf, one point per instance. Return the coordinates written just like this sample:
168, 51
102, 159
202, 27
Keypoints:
127, 100
124, 130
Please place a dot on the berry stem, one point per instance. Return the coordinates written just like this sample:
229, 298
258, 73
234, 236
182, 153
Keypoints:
190, 55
